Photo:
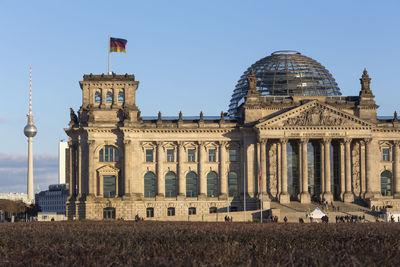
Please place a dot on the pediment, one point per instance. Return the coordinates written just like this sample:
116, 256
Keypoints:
107, 170
314, 114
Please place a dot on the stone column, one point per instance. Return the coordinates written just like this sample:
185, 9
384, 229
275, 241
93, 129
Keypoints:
79, 171
348, 195
264, 166
370, 168
71, 176
202, 177
342, 171
136, 181
305, 195
279, 168
284, 197
322, 168
92, 172
396, 169
362, 167
127, 174
223, 170
327, 149
160, 177
181, 172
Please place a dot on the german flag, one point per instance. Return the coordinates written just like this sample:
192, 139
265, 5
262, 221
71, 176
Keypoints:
117, 45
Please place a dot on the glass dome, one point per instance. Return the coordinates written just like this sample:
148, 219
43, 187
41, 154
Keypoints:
286, 73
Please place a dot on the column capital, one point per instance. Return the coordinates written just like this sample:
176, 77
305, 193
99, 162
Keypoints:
326, 140
159, 143
347, 140
223, 143
396, 143
304, 140
127, 142
367, 141
91, 142
201, 143
283, 140
180, 143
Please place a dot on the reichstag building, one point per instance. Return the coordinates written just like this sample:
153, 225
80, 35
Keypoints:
288, 135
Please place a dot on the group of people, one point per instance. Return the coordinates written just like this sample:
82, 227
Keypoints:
228, 219
350, 219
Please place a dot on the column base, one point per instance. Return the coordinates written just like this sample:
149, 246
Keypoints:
369, 195
202, 197
284, 198
328, 197
160, 197
266, 204
348, 197
223, 196
396, 195
305, 198
181, 197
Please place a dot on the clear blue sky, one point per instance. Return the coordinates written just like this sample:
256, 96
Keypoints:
187, 56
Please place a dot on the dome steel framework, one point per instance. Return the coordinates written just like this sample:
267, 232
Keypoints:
286, 73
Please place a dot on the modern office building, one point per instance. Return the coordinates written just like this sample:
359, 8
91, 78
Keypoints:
289, 135
54, 199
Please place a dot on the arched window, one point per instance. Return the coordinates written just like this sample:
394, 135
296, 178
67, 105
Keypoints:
170, 184
212, 184
121, 96
149, 185
233, 184
191, 184
108, 154
97, 97
109, 97
386, 183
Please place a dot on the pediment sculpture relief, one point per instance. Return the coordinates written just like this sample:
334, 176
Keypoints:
315, 116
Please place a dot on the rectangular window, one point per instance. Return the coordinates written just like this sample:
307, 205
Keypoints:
192, 211
191, 155
170, 155
232, 155
150, 212
149, 155
108, 186
171, 212
212, 155
386, 154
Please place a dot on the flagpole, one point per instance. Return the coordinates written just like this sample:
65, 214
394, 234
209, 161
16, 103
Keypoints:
109, 56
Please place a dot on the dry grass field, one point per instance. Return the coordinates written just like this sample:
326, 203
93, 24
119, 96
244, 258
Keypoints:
117, 243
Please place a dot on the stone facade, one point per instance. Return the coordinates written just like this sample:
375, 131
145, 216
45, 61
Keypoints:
264, 153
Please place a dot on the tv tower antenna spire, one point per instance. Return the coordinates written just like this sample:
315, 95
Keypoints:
30, 131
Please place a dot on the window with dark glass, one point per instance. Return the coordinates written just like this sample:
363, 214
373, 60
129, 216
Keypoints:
149, 155
192, 211
149, 212
109, 97
170, 184
212, 155
170, 155
108, 154
191, 184
149, 185
212, 184
97, 97
191, 155
386, 183
121, 96
232, 155
171, 211
109, 186
386, 154
233, 184
108, 213
213, 210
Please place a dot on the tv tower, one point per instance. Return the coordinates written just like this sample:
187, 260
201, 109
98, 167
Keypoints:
30, 131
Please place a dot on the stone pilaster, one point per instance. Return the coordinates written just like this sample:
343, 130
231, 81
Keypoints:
202, 176
305, 195
327, 149
79, 171
181, 172
223, 170
322, 167
137, 180
160, 177
284, 197
71, 176
128, 168
348, 195
92, 172
396, 169
342, 170
371, 172
362, 168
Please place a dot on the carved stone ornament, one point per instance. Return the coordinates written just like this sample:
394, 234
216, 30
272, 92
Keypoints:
316, 116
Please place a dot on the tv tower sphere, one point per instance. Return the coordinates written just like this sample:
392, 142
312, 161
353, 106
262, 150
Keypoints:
30, 130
